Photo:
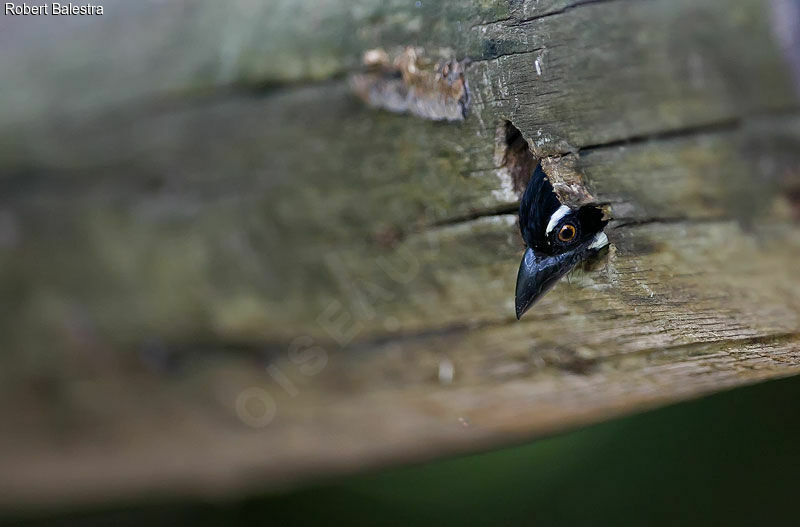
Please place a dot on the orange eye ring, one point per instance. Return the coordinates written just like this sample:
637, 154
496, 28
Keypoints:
567, 232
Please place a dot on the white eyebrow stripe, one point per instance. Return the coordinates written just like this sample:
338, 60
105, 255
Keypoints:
600, 241
562, 211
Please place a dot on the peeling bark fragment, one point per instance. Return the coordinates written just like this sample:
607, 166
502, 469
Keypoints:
413, 83
567, 180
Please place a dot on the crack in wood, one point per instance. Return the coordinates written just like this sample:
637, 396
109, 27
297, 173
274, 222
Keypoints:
500, 210
570, 7
626, 223
507, 54
699, 349
512, 21
723, 126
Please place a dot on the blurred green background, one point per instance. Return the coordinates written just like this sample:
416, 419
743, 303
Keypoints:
729, 459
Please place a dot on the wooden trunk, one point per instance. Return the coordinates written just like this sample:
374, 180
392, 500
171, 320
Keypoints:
246, 244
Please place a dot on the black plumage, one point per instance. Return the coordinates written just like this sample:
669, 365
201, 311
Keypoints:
538, 204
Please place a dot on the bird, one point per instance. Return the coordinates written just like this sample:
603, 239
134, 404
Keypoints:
557, 237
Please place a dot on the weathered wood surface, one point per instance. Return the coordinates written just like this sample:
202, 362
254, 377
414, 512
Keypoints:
199, 214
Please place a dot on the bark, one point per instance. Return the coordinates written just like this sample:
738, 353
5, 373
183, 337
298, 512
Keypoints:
222, 270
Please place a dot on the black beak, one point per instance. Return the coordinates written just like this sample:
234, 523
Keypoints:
538, 273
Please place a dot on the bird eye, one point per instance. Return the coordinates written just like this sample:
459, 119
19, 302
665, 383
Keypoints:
567, 232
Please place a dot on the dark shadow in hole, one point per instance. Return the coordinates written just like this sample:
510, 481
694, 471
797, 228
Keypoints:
518, 158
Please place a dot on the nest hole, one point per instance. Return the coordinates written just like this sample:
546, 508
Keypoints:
517, 157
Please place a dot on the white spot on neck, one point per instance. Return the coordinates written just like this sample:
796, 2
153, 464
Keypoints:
600, 241
562, 211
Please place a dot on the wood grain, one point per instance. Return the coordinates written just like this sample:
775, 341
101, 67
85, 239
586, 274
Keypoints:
184, 243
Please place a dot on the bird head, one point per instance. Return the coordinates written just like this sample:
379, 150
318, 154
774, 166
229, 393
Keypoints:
558, 237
